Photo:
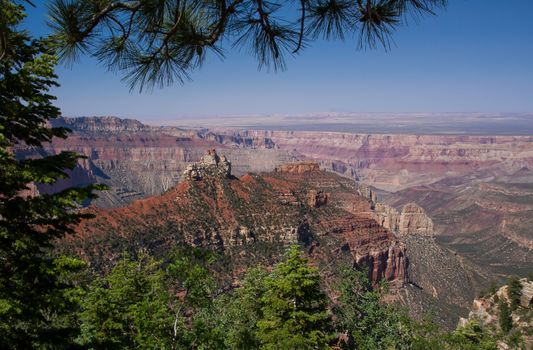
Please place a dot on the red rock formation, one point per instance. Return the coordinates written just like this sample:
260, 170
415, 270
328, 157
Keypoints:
234, 215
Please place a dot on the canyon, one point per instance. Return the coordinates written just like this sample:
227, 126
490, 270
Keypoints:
458, 208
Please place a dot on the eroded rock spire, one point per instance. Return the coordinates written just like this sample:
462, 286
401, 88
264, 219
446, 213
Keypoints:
210, 165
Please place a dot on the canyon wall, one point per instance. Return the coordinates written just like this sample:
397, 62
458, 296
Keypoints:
137, 160
394, 162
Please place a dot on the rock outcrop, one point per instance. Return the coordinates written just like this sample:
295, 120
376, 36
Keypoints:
526, 298
387, 216
487, 310
210, 165
317, 199
414, 221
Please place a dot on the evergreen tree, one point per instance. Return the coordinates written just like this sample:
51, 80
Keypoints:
369, 323
471, 336
240, 313
37, 297
506, 322
143, 304
294, 313
129, 308
515, 291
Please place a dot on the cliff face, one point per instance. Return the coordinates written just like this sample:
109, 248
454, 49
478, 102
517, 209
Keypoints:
412, 220
101, 124
251, 219
439, 280
487, 220
394, 162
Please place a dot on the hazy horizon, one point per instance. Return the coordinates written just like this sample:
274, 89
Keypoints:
376, 123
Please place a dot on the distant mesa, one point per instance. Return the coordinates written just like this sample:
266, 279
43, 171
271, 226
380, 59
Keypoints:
210, 165
298, 168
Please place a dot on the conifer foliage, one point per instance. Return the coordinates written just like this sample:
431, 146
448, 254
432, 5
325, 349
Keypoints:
37, 296
159, 42
295, 314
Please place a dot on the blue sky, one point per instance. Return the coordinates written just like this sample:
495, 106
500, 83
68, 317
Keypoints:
475, 56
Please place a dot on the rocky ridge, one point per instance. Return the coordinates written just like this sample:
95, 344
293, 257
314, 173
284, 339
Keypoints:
440, 281
411, 220
250, 219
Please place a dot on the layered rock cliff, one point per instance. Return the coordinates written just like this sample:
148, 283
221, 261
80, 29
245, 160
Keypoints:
251, 219
440, 281
411, 220
138, 160
394, 162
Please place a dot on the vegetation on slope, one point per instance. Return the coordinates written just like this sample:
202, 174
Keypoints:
176, 304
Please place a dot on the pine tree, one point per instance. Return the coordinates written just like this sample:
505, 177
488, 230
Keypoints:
369, 323
295, 314
37, 296
129, 308
506, 322
238, 314
471, 336
144, 303
515, 291
160, 42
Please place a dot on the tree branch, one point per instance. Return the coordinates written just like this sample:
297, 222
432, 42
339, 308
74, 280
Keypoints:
302, 27
267, 28
95, 20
